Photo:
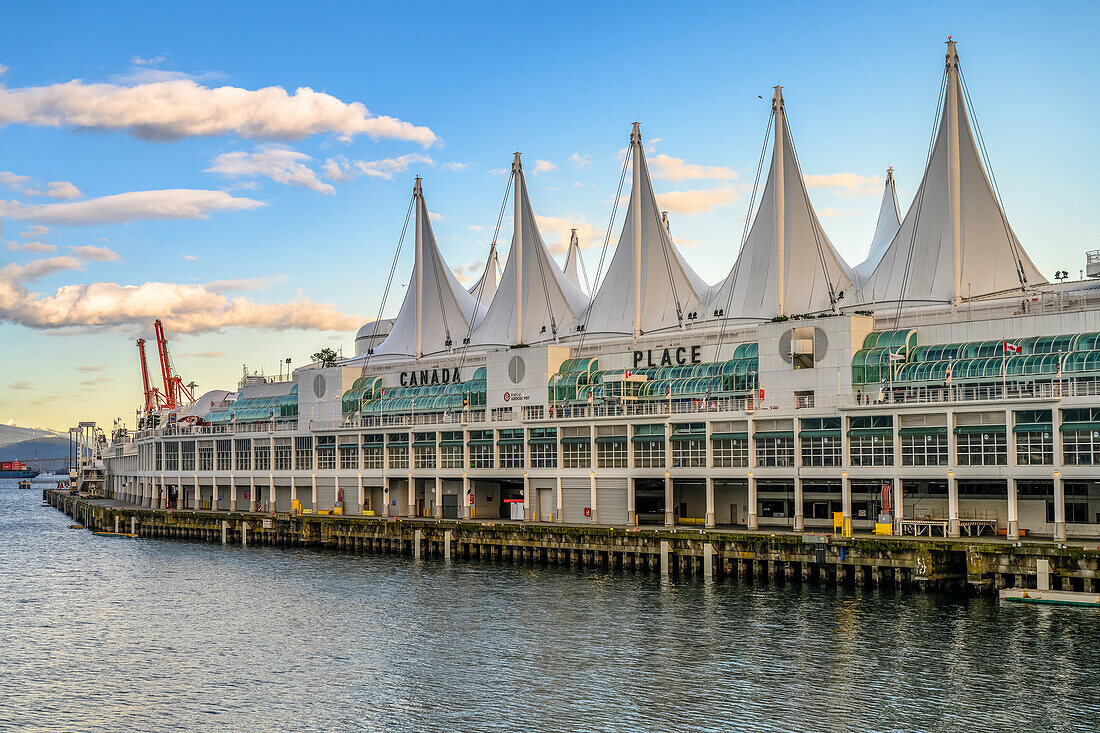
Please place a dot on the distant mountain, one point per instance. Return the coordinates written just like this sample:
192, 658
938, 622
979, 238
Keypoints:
26, 450
12, 434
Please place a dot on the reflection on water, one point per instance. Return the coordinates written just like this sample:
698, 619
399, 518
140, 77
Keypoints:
110, 634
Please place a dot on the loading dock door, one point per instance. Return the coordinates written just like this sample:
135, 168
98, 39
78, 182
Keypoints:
450, 506
546, 503
576, 496
611, 495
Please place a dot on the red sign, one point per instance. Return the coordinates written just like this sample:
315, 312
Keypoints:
507, 396
588, 511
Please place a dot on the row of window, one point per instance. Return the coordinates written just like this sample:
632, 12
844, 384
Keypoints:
1079, 448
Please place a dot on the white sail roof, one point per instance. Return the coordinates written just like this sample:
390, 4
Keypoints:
889, 221
436, 306
955, 241
648, 286
572, 256
787, 265
534, 301
486, 286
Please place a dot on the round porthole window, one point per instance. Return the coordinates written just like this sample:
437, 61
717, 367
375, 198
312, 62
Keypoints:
319, 386
516, 370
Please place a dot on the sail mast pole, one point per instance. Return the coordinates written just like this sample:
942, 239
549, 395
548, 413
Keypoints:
954, 182
636, 223
517, 239
418, 193
780, 211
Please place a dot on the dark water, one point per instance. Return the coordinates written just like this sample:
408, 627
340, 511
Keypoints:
100, 634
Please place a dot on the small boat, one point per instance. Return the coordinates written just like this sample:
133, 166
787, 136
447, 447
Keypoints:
113, 534
76, 526
1055, 597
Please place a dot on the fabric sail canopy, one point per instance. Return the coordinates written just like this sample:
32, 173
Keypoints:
436, 306
486, 286
889, 221
919, 264
535, 302
572, 260
812, 272
667, 289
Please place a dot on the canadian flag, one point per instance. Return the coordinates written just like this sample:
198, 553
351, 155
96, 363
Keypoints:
1012, 348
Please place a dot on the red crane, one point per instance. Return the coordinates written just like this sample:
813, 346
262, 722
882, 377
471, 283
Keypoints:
153, 398
174, 389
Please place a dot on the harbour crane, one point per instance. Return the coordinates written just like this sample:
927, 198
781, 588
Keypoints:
154, 400
175, 391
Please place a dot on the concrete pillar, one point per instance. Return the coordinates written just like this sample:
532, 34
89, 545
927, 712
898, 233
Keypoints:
214, 496
1042, 574
708, 560
751, 520
527, 503
799, 519
386, 496
438, 511
244, 534
416, 543
196, 497
846, 497
410, 488
899, 504
313, 491
1059, 506
225, 532
592, 497
133, 525
116, 523
1013, 510
360, 497
253, 500
710, 499
293, 492
670, 518
631, 511
952, 505
466, 495
447, 545
271, 493
664, 557
559, 513
232, 493
163, 494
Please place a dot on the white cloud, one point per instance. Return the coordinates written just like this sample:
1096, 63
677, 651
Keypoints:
475, 228
139, 61
183, 308
63, 190
846, 185
34, 230
178, 203
435, 216
193, 258
281, 165
243, 284
34, 246
172, 108
675, 169
340, 169
3, 69
469, 274
90, 252
557, 228
20, 385
89, 368
205, 355
577, 184
581, 161
543, 166
690, 203
454, 166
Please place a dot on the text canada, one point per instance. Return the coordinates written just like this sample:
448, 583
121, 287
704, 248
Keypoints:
430, 376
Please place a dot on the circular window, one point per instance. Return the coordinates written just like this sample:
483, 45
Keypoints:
319, 386
516, 370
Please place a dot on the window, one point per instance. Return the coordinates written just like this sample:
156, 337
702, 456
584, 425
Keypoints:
730, 452
283, 451
924, 449
611, 452
372, 457
225, 455
1035, 448
243, 461
424, 455
206, 456
510, 448
262, 457
450, 450
349, 454
159, 456
481, 449
871, 450
821, 450
774, 450
987, 448
326, 452
172, 456
649, 446
303, 453
397, 450
501, 414
576, 452
543, 445
1081, 447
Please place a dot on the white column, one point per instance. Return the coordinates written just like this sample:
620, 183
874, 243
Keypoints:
954, 98
386, 496
752, 521
527, 498
163, 500
592, 497
710, 501
670, 517
313, 491
360, 498
846, 498
780, 206
899, 504
438, 513
636, 225
232, 493
214, 494
410, 488
559, 504
1059, 506
1013, 510
466, 495
197, 492
952, 505
253, 500
799, 519
293, 492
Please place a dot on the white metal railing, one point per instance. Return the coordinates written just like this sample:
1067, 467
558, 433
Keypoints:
634, 409
970, 393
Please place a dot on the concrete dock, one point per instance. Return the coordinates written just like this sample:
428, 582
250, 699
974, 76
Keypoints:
906, 563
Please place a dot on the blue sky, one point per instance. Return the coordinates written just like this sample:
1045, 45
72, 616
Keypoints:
290, 216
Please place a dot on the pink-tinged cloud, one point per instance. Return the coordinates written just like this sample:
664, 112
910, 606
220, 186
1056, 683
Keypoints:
176, 203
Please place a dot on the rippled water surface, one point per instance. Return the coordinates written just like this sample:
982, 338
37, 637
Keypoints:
101, 634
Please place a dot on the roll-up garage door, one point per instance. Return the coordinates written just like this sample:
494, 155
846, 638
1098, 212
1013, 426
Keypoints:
576, 495
326, 494
611, 500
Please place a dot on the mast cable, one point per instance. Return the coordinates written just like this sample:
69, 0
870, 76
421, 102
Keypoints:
389, 280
